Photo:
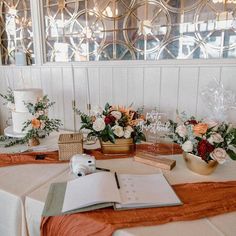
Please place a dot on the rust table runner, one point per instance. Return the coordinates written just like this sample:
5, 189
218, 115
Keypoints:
7, 159
200, 200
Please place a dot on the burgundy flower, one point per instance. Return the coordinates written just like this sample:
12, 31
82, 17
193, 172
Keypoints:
204, 149
135, 115
109, 119
191, 122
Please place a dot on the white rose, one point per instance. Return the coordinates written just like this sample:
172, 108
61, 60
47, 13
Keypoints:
129, 128
116, 114
127, 134
118, 131
96, 111
187, 146
215, 138
181, 130
219, 155
99, 124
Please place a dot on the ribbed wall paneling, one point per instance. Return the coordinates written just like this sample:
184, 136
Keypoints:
165, 86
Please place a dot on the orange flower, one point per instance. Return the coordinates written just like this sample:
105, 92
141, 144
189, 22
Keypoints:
93, 118
142, 117
135, 122
200, 129
35, 123
131, 115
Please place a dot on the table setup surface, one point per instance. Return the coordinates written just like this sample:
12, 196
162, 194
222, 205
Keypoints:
24, 188
217, 225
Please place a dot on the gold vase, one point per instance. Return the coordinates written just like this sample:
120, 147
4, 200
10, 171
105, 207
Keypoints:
121, 146
197, 165
33, 142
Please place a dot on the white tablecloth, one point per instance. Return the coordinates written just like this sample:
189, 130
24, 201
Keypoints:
15, 183
218, 225
18, 181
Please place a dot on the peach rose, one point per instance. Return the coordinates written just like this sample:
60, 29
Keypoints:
219, 154
93, 118
200, 129
35, 123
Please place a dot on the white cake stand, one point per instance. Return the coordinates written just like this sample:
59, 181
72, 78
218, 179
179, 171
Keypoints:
10, 133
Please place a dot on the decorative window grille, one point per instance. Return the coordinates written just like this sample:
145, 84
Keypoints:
96, 30
15, 30
92, 30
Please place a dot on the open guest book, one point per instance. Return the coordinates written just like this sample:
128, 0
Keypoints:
104, 189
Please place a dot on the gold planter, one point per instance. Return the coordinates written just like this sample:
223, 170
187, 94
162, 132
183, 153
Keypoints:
197, 165
121, 146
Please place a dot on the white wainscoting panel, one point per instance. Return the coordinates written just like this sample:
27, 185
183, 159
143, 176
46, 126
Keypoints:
152, 87
188, 90
105, 85
120, 85
166, 85
169, 89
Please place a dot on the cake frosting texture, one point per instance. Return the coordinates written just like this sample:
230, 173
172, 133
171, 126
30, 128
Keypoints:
21, 113
18, 119
23, 96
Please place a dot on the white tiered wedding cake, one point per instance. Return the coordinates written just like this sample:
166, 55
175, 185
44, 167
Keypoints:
21, 113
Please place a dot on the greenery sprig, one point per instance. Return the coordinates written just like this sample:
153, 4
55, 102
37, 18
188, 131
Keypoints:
9, 141
8, 97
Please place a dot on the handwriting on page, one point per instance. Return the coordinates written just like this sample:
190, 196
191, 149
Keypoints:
128, 190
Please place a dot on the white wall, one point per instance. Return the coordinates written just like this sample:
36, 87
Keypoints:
168, 85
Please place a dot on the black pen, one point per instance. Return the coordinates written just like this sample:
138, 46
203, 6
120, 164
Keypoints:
117, 181
104, 169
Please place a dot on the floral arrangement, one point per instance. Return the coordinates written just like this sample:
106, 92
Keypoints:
39, 126
114, 122
207, 139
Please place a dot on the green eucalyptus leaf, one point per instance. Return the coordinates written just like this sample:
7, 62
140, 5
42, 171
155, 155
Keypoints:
112, 138
231, 154
107, 106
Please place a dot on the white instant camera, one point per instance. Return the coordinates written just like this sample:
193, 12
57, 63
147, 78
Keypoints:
82, 164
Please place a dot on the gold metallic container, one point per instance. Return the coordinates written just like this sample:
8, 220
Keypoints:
121, 146
197, 165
